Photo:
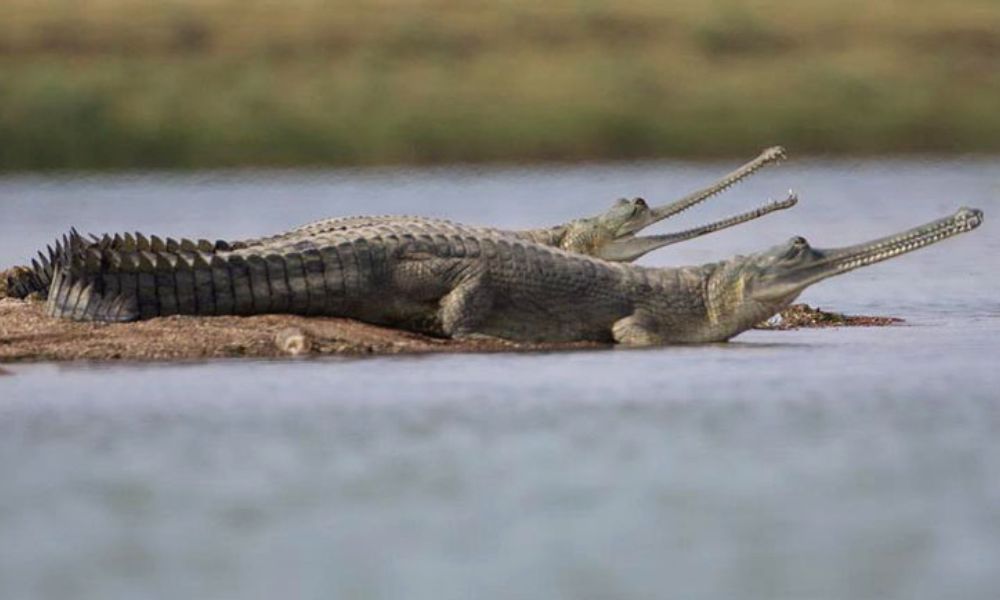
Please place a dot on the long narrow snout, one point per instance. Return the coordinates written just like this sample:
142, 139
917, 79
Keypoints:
860, 255
629, 249
771, 155
823, 263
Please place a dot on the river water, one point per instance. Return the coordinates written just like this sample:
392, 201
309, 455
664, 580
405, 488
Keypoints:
846, 463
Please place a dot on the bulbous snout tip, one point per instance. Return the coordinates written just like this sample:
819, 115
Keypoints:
774, 153
970, 217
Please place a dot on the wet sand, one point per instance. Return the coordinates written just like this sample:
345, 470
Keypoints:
799, 316
27, 334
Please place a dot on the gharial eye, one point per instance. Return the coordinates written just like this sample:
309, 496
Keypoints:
795, 247
640, 203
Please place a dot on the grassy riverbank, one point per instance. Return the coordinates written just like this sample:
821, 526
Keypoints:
208, 83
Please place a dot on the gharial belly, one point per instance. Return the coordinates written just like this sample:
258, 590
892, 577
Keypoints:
421, 316
517, 326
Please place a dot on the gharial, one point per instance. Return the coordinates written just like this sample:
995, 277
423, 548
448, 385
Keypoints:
464, 282
610, 235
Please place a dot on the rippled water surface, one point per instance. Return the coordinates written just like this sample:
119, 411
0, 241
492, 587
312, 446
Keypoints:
847, 463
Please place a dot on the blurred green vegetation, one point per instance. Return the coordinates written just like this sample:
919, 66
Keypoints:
209, 83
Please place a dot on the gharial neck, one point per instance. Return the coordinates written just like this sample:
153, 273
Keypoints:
547, 236
731, 308
699, 304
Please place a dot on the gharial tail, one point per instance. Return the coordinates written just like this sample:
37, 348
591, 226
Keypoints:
38, 278
139, 279
23, 281
76, 289
80, 299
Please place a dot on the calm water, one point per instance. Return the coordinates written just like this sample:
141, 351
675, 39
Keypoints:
851, 463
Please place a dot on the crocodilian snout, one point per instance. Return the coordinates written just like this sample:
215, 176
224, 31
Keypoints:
630, 247
818, 264
769, 156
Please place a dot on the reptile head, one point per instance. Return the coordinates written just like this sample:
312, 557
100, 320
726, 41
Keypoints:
768, 281
626, 217
612, 234
746, 290
602, 235
616, 240
790, 268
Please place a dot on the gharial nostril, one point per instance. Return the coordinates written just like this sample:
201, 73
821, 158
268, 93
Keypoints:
972, 216
775, 153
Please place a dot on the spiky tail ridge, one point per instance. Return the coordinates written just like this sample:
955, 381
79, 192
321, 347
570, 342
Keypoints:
37, 278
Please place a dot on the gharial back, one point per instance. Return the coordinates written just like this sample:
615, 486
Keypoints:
506, 286
37, 278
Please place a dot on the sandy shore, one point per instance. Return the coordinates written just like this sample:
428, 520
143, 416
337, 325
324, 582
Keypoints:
799, 316
26, 334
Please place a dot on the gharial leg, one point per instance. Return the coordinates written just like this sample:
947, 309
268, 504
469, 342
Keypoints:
465, 308
636, 329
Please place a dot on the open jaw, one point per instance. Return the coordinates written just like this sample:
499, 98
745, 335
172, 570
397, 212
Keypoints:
630, 247
796, 266
771, 155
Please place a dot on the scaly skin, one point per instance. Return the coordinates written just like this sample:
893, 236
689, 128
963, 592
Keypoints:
465, 282
610, 235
